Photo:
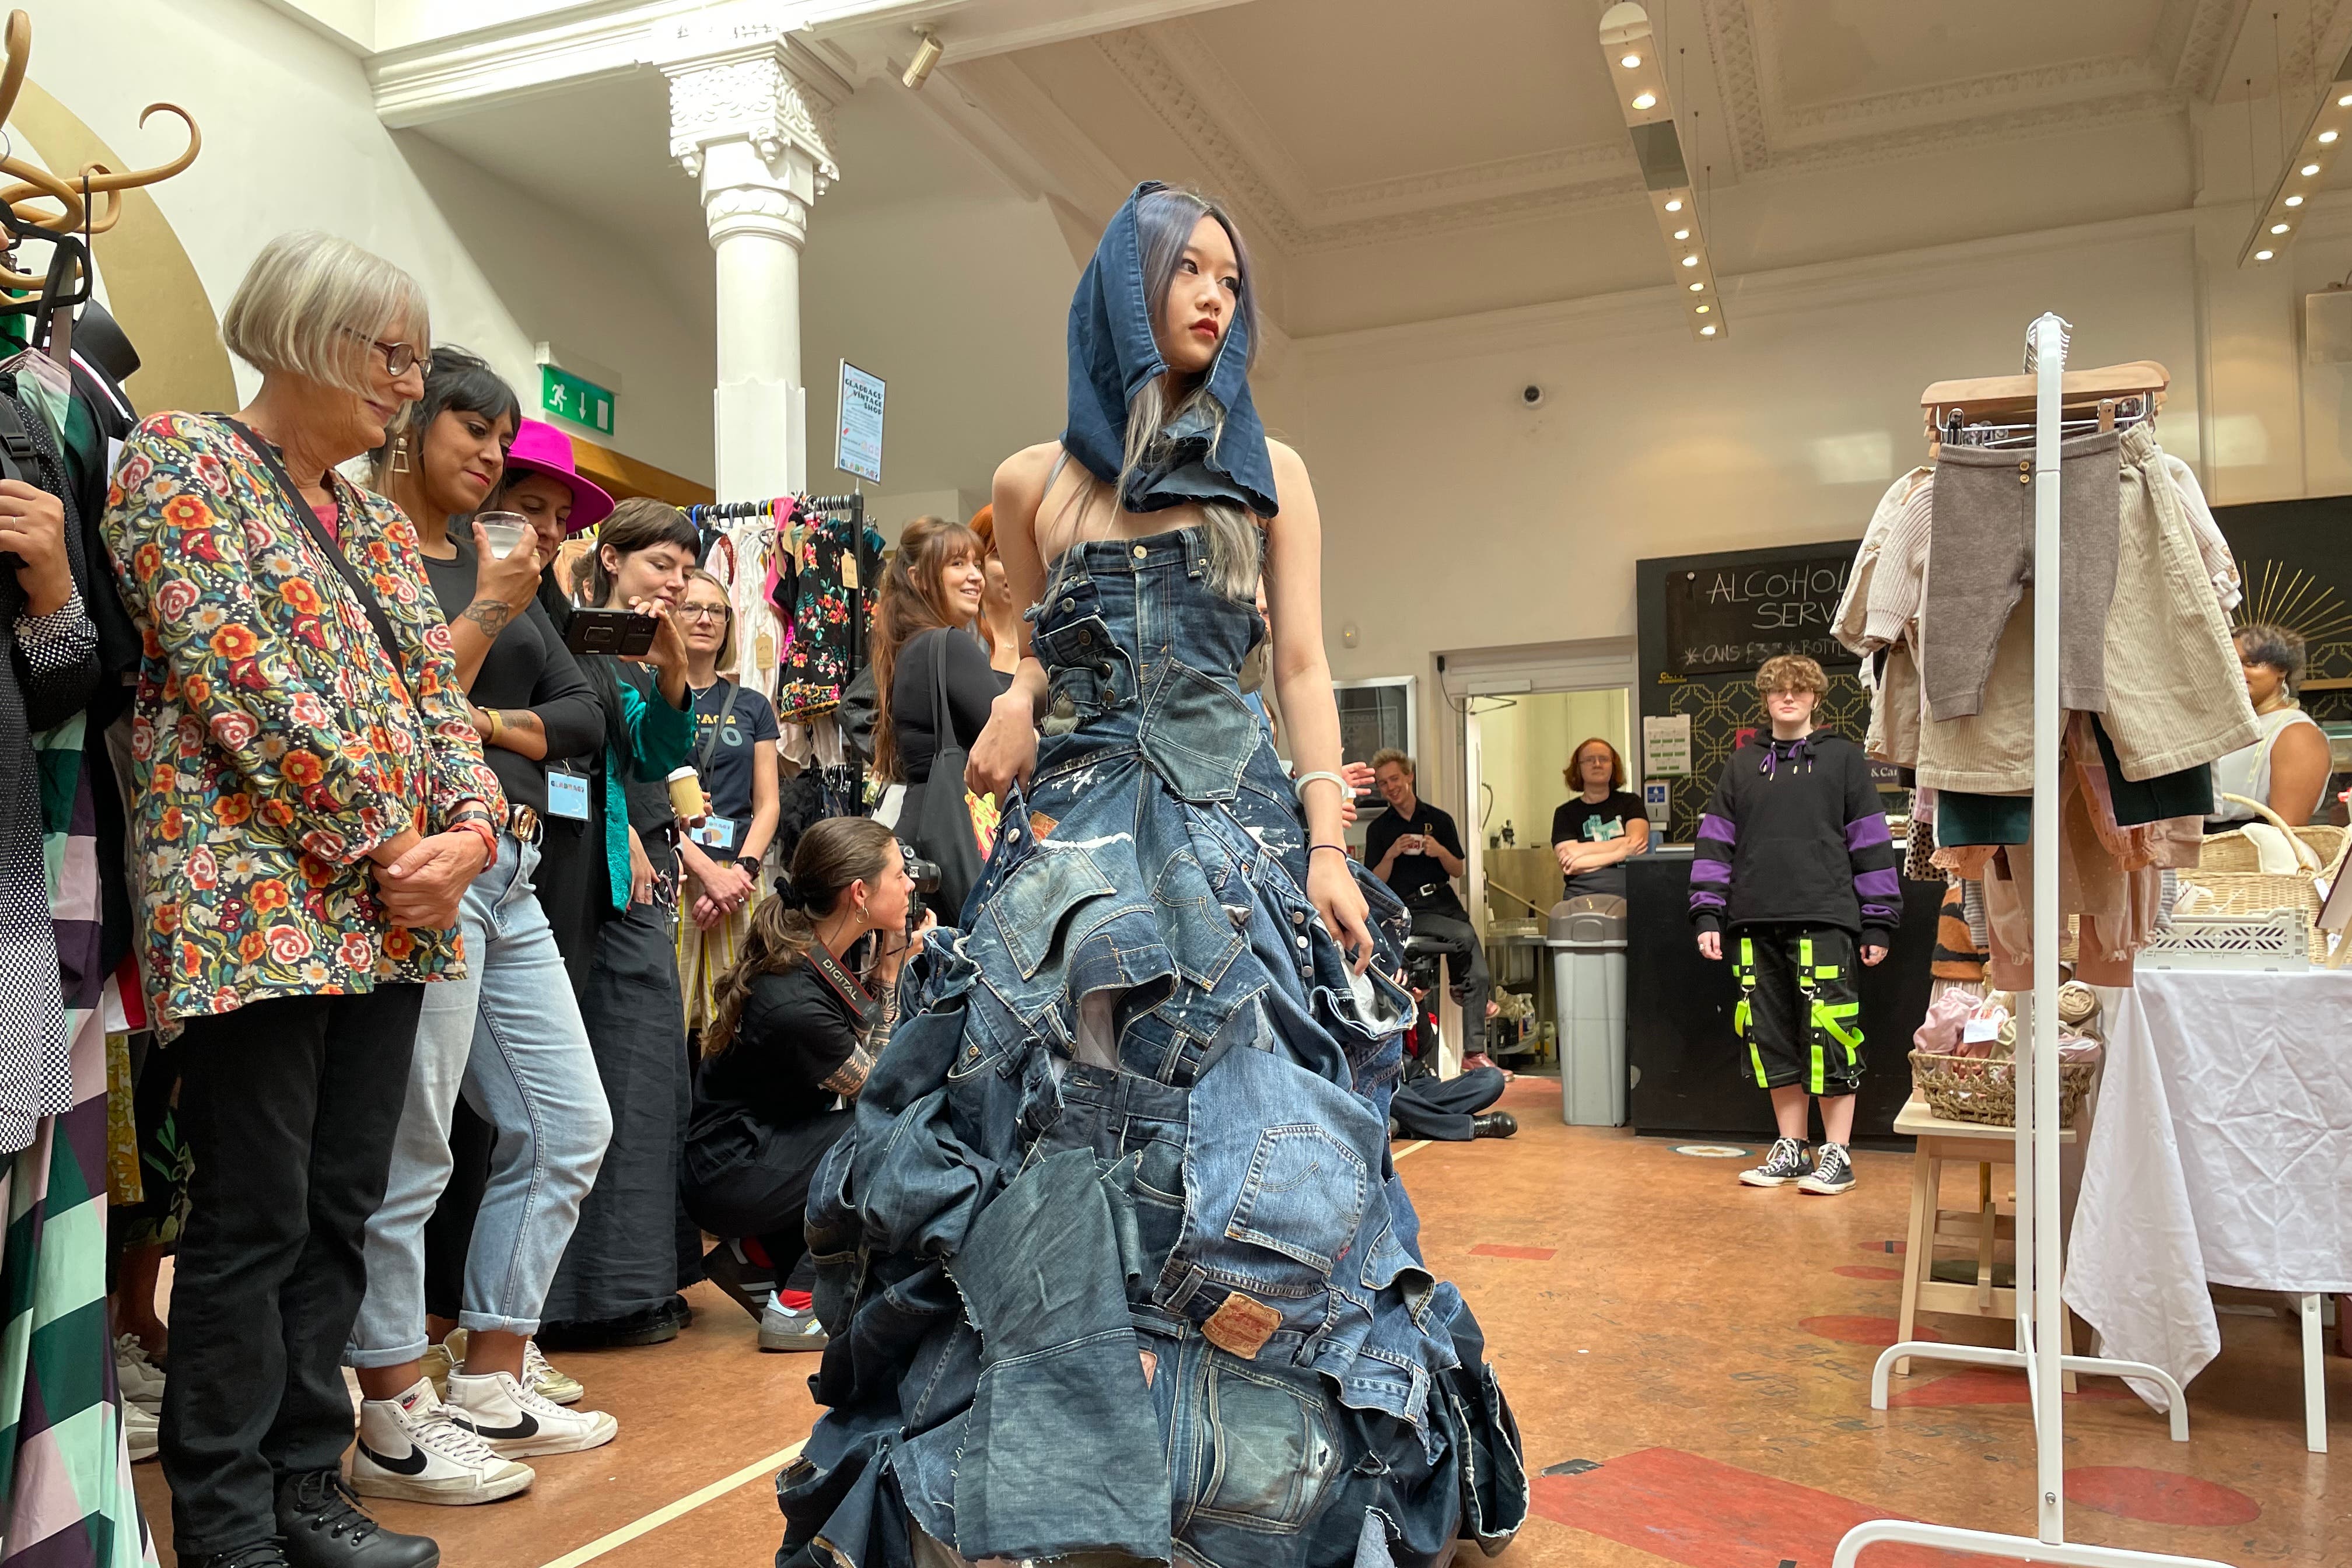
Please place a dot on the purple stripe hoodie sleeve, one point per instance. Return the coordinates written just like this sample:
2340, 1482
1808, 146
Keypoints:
1721, 830
1868, 833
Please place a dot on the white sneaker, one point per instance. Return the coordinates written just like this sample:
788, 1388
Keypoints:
139, 1431
520, 1422
410, 1448
141, 1380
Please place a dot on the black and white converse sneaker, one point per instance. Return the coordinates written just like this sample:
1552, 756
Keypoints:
1834, 1173
410, 1449
1784, 1165
520, 1422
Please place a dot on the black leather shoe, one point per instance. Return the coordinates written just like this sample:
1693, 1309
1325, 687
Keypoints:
260, 1554
323, 1527
678, 1311
648, 1326
1493, 1124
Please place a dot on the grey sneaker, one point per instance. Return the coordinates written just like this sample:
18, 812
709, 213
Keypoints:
1784, 1165
786, 1329
1833, 1176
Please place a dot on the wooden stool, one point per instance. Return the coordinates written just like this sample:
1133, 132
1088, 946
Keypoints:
1982, 1229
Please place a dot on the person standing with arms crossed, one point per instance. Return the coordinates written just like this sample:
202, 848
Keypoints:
1794, 857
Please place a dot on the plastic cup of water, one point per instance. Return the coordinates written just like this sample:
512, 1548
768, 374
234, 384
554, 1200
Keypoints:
502, 531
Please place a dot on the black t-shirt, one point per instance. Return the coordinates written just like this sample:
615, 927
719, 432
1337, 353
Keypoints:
1418, 880
973, 687
527, 667
1580, 821
796, 1036
727, 777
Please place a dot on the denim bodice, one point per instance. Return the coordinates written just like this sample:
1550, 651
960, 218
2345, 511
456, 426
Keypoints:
1146, 1045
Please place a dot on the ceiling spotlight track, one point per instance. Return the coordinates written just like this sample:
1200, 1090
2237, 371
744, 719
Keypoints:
1639, 79
2276, 225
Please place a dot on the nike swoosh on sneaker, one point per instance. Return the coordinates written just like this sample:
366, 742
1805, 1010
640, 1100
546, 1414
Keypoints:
526, 1427
412, 1466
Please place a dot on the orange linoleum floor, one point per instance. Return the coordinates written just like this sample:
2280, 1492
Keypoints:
1689, 1357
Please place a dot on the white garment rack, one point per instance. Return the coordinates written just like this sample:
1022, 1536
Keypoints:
2040, 1314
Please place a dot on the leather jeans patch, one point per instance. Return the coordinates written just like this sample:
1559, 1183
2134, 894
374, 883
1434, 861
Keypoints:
1242, 1326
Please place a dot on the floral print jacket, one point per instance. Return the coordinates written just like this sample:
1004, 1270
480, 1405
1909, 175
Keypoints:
273, 744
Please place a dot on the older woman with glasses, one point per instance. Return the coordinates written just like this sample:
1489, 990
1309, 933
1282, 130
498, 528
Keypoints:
308, 804
734, 757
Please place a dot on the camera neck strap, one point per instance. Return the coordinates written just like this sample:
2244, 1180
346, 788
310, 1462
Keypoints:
845, 984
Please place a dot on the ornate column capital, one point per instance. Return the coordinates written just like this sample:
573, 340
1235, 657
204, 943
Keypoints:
733, 80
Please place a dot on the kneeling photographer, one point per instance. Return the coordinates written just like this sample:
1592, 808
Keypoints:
799, 1020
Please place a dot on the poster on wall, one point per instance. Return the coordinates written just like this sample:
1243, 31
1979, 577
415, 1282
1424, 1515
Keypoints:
1734, 617
858, 449
1666, 746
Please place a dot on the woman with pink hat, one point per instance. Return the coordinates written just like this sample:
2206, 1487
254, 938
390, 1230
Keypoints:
545, 485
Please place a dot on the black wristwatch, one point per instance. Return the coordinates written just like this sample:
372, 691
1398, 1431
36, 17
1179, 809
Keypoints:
750, 864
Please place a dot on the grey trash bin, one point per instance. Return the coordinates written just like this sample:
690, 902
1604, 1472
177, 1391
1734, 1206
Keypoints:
1587, 940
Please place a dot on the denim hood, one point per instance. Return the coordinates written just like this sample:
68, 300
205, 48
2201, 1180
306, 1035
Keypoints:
1112, 356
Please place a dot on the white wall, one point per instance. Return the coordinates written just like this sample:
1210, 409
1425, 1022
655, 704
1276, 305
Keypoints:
291, 141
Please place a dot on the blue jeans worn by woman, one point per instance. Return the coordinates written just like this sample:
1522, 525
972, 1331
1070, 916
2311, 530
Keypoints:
510, 1037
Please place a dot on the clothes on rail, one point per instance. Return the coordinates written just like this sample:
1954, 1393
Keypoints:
834, 573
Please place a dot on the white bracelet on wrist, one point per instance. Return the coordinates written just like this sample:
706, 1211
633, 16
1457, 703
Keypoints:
1298, 786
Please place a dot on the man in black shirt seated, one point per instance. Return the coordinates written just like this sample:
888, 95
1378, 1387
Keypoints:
1415, 848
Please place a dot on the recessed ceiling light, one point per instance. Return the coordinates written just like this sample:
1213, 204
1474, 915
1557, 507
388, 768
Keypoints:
2344, 101
2278, 228
1682, 234
2308, 170
2295, 201
1631, 62
1690, 261
1647, 101
1703, 310
1706, 331
2262, 255
1676, 206
1698, 288
2327, 138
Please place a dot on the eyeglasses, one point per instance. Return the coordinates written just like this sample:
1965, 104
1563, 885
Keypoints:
398, 357
703, 612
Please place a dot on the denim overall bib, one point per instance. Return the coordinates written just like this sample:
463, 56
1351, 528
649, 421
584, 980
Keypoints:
1115, 1260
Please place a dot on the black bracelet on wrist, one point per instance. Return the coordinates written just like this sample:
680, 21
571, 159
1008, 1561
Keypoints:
1340, 847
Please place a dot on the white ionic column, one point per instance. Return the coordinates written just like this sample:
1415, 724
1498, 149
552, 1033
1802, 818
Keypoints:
751, 117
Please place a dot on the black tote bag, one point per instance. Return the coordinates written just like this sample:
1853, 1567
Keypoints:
942, 829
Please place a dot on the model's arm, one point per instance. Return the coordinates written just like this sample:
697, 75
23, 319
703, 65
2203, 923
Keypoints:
1007, 749
1877, 868
1710, 873
1302, 679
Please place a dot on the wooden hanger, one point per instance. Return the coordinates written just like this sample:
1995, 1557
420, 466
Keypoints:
1997, 394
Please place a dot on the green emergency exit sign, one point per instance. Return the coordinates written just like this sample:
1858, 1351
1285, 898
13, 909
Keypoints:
575, 398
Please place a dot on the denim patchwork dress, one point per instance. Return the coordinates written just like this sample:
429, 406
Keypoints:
1114, 1260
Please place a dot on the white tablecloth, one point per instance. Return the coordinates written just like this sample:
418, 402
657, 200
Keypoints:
2221, 1151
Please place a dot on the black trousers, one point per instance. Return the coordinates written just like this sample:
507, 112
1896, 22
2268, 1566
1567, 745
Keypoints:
1465, 967
288, 1107
746, 1178
1442, 1109
1800, 1006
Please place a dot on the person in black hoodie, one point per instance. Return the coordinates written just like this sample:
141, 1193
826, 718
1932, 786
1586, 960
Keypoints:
1795, 859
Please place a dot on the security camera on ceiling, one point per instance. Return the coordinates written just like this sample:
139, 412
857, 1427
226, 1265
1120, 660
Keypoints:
1532, 395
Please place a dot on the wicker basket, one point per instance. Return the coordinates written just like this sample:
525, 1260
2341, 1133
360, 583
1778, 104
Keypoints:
2226, 873
1976, 1089
2234, 853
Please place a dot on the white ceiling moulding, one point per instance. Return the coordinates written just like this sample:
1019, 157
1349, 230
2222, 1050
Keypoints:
2324, 132
1640, 79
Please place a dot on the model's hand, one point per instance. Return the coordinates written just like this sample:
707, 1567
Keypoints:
1874, 956
1359, 776
1006, 752
33, 530
1332, 887
1711, 946
512, 579
423, 887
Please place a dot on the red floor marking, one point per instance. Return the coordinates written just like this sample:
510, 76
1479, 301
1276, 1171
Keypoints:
2159, 1497
1861, 1330
1497, 1250
1865, 1271
1704, 1514
1992, 1385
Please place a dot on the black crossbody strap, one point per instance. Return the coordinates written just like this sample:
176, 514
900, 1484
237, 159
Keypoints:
710, 740
325, 541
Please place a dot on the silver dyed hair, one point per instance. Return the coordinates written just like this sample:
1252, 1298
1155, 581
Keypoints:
1164, 221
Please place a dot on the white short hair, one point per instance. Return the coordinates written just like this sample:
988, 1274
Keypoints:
312, 303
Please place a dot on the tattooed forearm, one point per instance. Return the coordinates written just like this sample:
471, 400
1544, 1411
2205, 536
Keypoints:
490, 614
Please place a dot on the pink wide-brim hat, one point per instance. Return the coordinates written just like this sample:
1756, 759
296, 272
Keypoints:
541, 448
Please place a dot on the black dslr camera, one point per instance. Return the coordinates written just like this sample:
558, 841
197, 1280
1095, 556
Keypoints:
925, 874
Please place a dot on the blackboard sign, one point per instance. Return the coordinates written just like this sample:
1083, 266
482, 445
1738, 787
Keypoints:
1733, 616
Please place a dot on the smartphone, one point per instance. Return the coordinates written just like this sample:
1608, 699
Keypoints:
622, 632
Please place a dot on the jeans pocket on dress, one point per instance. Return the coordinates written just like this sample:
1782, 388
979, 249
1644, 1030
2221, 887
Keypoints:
1303, 1197
1199, 736
1272, 1453
1032, 903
